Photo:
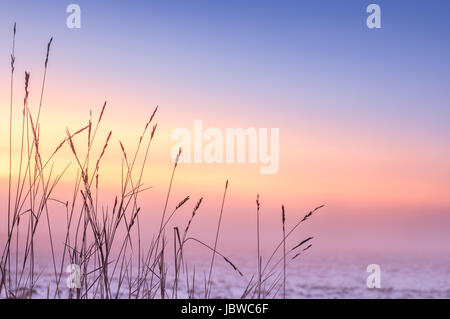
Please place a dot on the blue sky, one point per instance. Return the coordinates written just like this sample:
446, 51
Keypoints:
371, 98
314, 59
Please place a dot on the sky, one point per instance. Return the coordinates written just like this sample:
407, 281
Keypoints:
362, 113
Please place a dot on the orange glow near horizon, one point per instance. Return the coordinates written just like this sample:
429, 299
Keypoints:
357, 170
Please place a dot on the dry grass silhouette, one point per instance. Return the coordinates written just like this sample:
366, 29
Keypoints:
113, 264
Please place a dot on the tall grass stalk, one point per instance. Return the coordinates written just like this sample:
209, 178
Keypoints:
208, 290
105, 240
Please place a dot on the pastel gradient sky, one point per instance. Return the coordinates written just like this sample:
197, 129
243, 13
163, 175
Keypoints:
363, 114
